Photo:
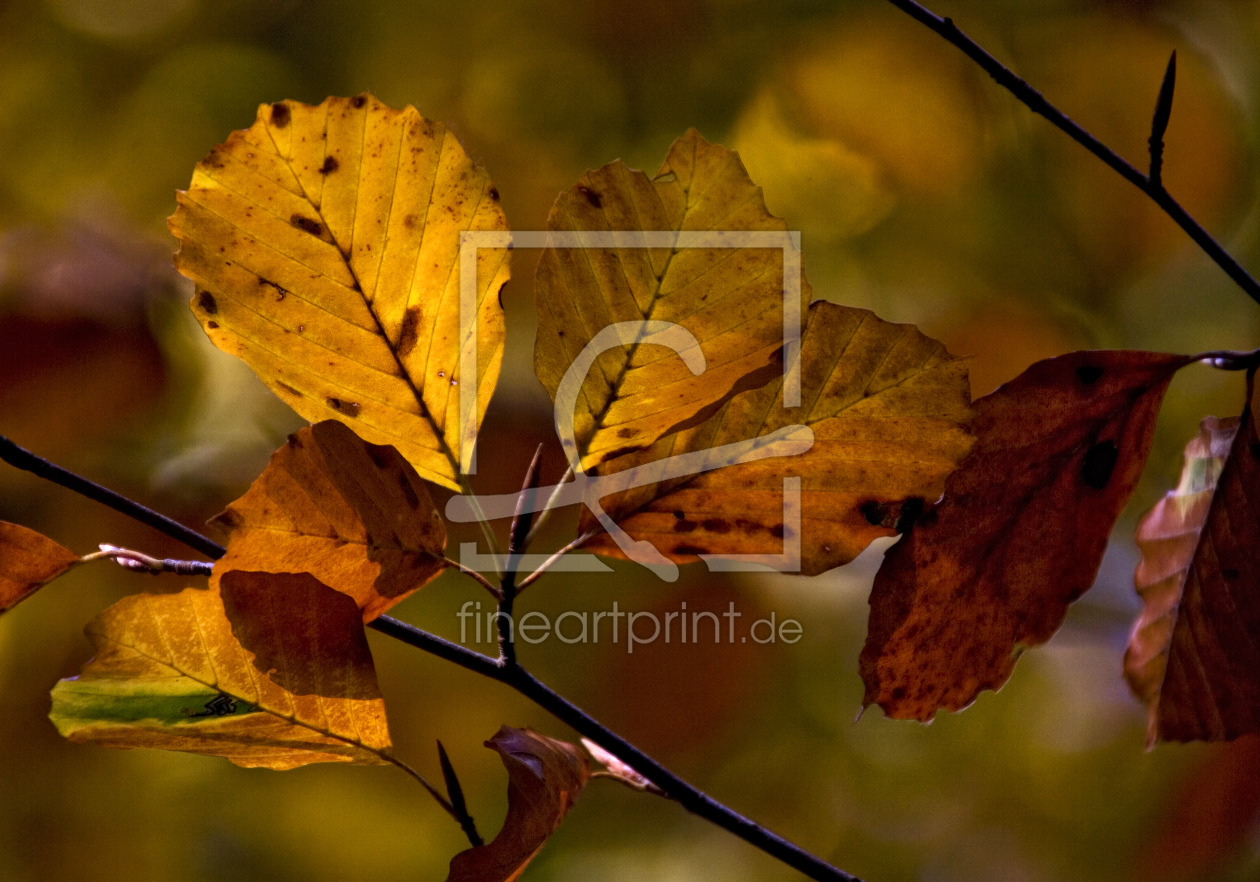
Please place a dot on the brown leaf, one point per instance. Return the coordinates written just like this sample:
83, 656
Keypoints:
1194, 656
28, 562
888, 409
545, 777
354, 515
1020, 533
274, 671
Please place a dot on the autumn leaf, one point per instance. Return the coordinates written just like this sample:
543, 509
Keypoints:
28, 562
1194, 655
325, 245
354, 515
545, 777
731, 300
888, 408
1019, 534
274, 671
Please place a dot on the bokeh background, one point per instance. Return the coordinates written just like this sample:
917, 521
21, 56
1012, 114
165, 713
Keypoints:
922, 191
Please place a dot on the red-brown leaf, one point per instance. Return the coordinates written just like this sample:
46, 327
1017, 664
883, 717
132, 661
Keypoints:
1019, 534
545, 777
28, 561
1194, 656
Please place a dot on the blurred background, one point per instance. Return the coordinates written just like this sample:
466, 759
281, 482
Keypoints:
922, 191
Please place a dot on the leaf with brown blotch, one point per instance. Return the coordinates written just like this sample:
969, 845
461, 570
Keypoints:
1194, 655
545, 777
730, 299
1020, 533
28, 561
325, 245
269, 670
354, 515
888, 408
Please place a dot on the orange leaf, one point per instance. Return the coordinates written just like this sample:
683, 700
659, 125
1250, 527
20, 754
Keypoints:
545, 777
1194, 656
28, 562
354, 515
1019, 534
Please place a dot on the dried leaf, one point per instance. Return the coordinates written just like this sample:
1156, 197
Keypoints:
275, 671
325, 243
28, 562
730, 299
354, 515
1020, 533
545, 777
888, 409
1194, 656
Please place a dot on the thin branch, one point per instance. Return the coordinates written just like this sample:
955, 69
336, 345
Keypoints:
550, 506
474, 575
142, 563
1229, 360
456, 793
1159, 122
517, 543
486, 529
547, 564
461, 818
1037, 103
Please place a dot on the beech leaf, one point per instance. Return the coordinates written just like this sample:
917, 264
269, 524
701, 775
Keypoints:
545, 777
1194, 656
1019, 534
354, 515
271, 671
324, 242
730, 299
888, 409
28, 561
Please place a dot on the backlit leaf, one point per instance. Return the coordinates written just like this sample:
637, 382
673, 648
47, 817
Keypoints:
269, 670
545, 777
28, 562
354, 515
730, 299
1020, 533
325, 245
1194, 656
888, 409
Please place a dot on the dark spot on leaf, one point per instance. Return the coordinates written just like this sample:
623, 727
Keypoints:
349, 408
408, 491
229, 519
591, 196
358, 100
1099, 463
212, 325
410, 331
877, 514
287, 388
684, 526
679, 515
409, 221
313, 227
214, 159
280, 292
330, 165
899, 693
1089, 374
621, 451
295, 442
494, 194
1230, 573
777, 531
911, 511
280, 114
1255, 450
626, 432
689, 549
717, 525
205, 300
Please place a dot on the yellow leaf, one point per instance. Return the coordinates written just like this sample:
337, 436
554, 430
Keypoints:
272, 671
730, 299
354, 515
888, 408
28, 562
325, 245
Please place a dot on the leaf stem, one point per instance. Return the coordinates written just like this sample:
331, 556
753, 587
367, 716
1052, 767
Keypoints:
474, 575
1037, 103
546, 565
486, 529
549, 507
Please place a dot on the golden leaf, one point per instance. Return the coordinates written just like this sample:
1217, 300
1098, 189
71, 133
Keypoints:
272, 671
325, 245
354, 515
729, 300
28, 562
888, 409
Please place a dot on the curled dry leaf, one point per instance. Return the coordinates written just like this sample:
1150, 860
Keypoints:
1019, 534
545, 777
28, 561
1194, 656
325, 245
888, 409
271, 671
730, 299
354, 515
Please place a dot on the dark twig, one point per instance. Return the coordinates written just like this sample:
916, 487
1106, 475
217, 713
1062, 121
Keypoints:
142, 563
1159, 123
1037, 103
517, 542
456, 794
1229, 360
